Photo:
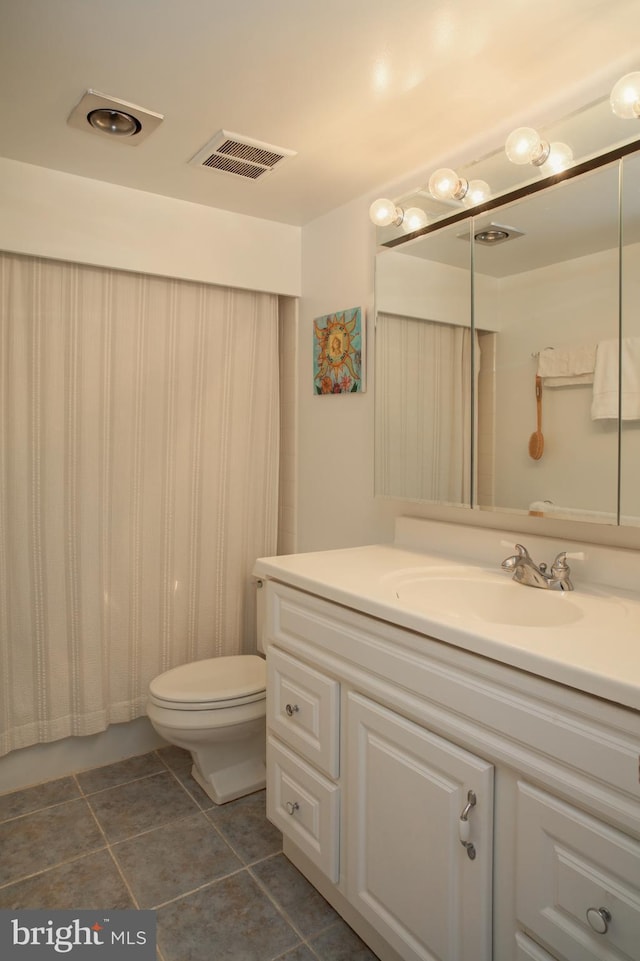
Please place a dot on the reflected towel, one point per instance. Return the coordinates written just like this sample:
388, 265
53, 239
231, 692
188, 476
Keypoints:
605, 384
565, 366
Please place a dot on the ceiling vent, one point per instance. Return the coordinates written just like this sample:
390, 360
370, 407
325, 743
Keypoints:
243, 157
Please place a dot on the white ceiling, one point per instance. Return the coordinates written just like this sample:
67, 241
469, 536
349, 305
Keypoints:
364, 91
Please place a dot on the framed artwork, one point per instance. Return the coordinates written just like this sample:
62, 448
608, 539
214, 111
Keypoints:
338, 353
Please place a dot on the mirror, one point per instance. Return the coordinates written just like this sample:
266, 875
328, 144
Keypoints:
465, 327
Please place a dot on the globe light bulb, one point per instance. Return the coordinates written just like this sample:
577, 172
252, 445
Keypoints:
384, 213
444, 184
625, 97
559, 159
414, 218
478, 191
524, 146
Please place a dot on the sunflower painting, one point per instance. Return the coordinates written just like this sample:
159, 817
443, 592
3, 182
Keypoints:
337, 353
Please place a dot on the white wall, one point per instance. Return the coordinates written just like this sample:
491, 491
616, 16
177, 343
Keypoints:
47, 213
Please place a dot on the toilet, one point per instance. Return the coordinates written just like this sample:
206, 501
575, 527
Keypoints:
216, 709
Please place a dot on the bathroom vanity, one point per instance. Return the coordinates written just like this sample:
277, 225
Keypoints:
453, 758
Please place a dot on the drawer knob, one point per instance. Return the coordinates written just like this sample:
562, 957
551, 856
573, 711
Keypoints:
292, 807
599, 919
291, 709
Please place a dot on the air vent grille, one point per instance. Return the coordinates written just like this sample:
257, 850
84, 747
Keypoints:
256, 155
232, 166
241, 156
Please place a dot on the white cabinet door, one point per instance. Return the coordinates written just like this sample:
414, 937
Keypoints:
578, 880
407, 871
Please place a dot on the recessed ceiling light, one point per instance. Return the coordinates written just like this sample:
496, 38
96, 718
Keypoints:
122, 121
114, 122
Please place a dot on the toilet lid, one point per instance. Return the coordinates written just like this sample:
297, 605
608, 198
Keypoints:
211, 680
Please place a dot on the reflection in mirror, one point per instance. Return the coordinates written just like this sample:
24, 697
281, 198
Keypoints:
630, 313
545, 300
424, 347
551, 293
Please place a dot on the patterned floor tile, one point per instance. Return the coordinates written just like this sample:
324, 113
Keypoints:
180, 857
38, 797
111, 775
231, 920
299, 900
40, 840
141, 806
301, 953
341, 943
175, 757
245, 826
87, 883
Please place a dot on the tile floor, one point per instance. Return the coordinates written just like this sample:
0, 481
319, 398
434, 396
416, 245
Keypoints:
142, 834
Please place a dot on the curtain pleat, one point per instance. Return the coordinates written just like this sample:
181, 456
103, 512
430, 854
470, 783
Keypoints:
423, 410
138, 483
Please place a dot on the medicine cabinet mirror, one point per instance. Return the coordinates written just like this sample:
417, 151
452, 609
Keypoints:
473, 338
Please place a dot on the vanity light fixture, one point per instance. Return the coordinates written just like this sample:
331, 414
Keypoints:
414, 218
524, 145
625, 97
477, 192
385, 213
445, 184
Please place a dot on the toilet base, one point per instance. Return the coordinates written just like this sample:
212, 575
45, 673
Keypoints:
230, 762
232, 782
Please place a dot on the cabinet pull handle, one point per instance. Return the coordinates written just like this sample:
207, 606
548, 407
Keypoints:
291, 709
599, 919
292, 806
464, 827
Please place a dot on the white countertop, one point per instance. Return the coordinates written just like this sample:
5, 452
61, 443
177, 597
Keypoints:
595, 649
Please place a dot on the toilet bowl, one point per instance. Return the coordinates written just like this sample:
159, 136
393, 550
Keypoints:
215, 708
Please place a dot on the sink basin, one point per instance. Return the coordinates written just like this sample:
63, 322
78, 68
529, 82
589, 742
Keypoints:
466, 593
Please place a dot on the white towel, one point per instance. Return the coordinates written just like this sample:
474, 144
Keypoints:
565, 366
605, 384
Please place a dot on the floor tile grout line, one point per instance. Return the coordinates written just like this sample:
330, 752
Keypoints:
114, 787
281, 910
158, 827
52, 867
46, 807
200, 887
124, 878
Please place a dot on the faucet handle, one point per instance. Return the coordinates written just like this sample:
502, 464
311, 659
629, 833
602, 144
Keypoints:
520, 548
560, 562
512, 562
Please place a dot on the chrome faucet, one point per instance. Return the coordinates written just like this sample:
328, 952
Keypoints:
536, 575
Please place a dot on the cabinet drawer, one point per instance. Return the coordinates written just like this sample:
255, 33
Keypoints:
305, 806
528, 950
303, 709
571, 866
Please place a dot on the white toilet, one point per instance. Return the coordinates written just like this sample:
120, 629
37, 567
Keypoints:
215, 708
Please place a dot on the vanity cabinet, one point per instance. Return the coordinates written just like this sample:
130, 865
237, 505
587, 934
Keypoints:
407, 869
578, 880
449, 806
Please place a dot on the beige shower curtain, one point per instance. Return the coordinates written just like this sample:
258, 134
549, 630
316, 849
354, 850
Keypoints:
138, 483
423, 409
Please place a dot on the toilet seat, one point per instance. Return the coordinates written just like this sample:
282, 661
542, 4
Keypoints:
211, 684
